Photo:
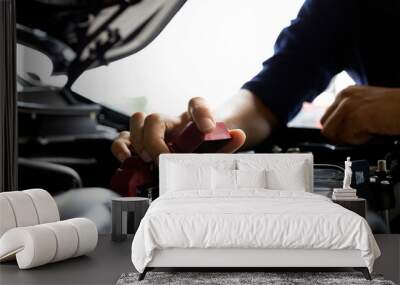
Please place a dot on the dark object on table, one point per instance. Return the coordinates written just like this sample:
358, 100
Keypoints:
126, 216
377, 189
357, 205
383, 191
135, 176
382, 188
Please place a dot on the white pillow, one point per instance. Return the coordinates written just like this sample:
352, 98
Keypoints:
286, 173
183, 177
251, 178
223, 179
294, 179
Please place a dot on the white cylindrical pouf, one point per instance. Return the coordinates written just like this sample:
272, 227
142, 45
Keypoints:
45, 205
7, 218
40, 244
23, 208
67, 239
33, 246
87, 234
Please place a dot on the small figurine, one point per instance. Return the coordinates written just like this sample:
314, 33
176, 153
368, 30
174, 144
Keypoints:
347, 174
345, 193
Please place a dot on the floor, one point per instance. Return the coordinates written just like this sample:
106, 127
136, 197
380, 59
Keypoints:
110, 260
103, 266
389, 262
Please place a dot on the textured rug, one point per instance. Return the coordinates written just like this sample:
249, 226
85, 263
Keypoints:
243, 278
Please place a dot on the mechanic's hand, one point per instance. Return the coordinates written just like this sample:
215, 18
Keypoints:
360, 112
148, 134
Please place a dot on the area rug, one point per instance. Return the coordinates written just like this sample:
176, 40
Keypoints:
244, 278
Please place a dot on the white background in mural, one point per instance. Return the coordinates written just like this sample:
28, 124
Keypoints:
209, 49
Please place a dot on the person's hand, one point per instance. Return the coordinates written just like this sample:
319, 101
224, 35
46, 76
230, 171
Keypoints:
148, 134
360, 112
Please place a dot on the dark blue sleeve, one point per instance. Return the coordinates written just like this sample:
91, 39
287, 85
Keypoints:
308, 53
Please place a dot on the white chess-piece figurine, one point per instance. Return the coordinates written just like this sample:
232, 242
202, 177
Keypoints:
347, 174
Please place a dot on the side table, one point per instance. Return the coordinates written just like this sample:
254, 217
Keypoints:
357, 205
127, 212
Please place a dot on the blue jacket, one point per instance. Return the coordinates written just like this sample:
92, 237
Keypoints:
361, 37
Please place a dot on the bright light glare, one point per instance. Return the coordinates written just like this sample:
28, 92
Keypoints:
209, 49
